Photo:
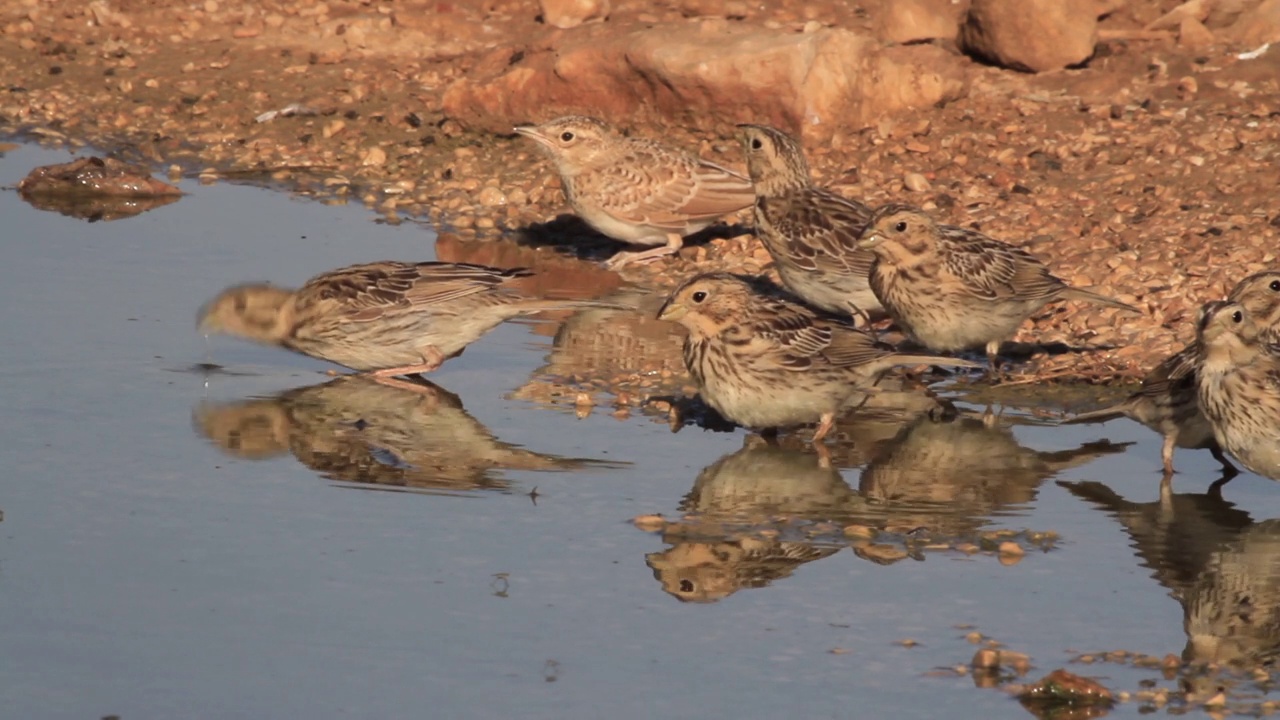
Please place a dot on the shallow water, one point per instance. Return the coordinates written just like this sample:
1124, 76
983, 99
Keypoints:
179, 541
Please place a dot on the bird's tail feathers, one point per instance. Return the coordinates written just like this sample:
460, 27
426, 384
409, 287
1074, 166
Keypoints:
906, 359
1090, 296
536, 305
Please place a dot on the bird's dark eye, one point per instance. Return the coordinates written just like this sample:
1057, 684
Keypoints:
566, 136
1237, 317
699, 296
756, 144
900, 226
1275, 285
686, 586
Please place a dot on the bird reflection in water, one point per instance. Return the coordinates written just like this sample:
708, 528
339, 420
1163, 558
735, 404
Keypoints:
946, 476
413, 435
754, 516
735, 534
1222, 567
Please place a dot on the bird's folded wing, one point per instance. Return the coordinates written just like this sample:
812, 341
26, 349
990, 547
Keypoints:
822, 230
993, 270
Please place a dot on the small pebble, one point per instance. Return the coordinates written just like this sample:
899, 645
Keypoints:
915, 182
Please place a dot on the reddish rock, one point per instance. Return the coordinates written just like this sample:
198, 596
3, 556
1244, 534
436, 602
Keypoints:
572, 13
814, 83
1064, 688
1193, 34
715, 8
96, 176
1260, 24
904, 21
1197, 10
1035, 35
1223, 13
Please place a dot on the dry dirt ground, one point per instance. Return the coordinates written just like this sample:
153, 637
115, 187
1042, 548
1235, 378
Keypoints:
1150, 172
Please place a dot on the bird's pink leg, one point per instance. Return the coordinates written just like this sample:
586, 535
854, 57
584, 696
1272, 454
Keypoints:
827, 422
432, 358
674, 242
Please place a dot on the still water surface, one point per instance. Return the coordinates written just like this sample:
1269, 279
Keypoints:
181, 543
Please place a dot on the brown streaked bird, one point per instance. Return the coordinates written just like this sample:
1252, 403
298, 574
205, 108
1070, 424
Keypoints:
810, 232
766, 361
953, 292
1168, 400
637, 190
1239, 387
386, 318
1167, 403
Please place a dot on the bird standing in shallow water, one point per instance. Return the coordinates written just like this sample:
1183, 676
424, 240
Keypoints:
385, 318
1239, 387
1168, 399
636, 190
958, 291
765, 361
810, 232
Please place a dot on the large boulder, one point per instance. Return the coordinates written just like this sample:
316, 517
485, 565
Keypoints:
707, 72
572, 13
1033, 35
1257, 25
905, 21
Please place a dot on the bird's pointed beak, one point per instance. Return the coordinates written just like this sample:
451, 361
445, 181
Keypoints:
672, 310
204, 320
870, 241
531, 131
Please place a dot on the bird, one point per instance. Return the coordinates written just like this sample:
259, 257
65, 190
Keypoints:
385, 318
1238, 380
765, 360
811, 232
1168, 400
1167, 403
637, 190
958, 291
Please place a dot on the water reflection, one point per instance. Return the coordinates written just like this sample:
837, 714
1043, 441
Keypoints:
101, 208
601, 345
947, 475
1220, 564
413, 435
755, 515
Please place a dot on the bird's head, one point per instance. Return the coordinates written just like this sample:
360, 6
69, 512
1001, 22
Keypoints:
899, 234
573, 141
1260, 296
253, 311
775, 161
708, 304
